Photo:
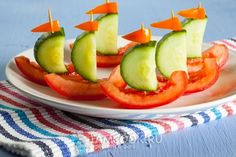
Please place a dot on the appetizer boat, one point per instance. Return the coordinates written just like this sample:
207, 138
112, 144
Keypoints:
171, 55
138, 70
203, 68
195, 25
108, 54
171, 52
49, 48
83, 54
142, 74
48, 52
107, 34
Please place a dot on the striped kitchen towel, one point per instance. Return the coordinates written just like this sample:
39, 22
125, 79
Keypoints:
32, 129
230, 43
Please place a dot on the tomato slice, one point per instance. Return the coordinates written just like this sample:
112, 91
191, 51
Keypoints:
71, 89
141, 100
125, 48
108, 61
36, 74
111, 60
31, 70
116, 78
218, 51
204, 78
194, 64
70, 68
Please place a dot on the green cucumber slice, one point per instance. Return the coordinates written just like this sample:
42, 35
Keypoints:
83, 56
107, 34
49, 52
138, 67
195, 32
171, 53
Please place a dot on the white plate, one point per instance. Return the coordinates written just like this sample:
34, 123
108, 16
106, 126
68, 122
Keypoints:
223, 91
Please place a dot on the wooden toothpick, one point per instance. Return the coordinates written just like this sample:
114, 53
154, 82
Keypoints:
142, 26
199, 5
172, 14
50, 20
91, 16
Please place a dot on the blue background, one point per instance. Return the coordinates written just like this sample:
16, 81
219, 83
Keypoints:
17, 18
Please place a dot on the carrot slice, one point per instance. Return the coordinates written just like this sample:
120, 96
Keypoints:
46, 27
142, 35
194, 13
88, 26
173, 24
110, 7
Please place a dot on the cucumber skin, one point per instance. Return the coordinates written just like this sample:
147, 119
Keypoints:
42, 39
73, 57
99, 19
184, 24
46, 36
150, 44
159, 45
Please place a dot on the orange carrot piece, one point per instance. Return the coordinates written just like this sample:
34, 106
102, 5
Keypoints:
46, 27
142, 35
173, 24
88, 26
110, 7
194, 13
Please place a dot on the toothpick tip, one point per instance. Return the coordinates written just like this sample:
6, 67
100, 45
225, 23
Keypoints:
50, 19
199, 5
91, 16
172, 13
142, 26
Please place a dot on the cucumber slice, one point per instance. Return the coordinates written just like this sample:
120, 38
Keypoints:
49, 52
138, 67
107, 34
171, 53
83, 56
195, 32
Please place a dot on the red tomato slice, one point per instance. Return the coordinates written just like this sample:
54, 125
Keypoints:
194, 64
125, 48
31, 70
113, 60
80, 90
141, 100
75, 87
70, 68
204, 78
218, 51
116, 78
109, 61
36, 74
